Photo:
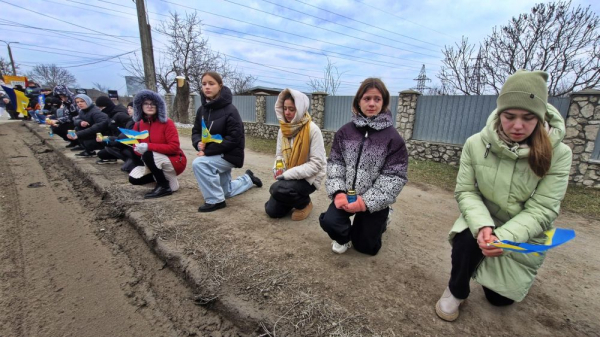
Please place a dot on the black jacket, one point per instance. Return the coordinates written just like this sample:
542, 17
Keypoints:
222, 118
98, 122
117, 118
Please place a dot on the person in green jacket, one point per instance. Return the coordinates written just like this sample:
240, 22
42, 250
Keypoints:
513, 176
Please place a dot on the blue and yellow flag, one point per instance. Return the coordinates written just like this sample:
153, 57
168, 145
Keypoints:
19, 101
556, 237
128, 141
135, 134
207, 137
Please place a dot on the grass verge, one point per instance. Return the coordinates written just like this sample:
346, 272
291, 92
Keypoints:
580, 200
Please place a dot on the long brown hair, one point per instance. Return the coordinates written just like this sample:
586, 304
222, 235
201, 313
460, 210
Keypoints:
367, 84
540, 150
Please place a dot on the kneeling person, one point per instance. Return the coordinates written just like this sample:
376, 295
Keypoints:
300, 150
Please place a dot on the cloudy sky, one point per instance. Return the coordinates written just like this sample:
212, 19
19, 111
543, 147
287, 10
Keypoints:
281, 43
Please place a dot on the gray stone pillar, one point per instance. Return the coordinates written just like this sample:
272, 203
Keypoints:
169, 97
405, 117
317, 107
192, 107
261, 108
583, 122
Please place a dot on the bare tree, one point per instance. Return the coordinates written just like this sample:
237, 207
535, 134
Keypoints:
51, 75
553, 37
330, 82
100, 87
239, 82
190, 56
6, 68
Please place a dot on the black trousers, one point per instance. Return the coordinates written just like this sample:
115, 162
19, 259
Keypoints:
62, 130
466, 257
286, 195
13, 114
91, 144
365, 233
156, 174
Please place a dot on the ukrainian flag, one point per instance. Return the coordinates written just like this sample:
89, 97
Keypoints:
135, 134
128, 141
555, 238
207, 137
18, 99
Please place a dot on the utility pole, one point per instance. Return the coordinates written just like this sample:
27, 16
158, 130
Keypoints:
12, 62
147, 51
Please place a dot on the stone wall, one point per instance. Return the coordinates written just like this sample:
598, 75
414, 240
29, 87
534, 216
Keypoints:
583, 123
437, 152
582, 126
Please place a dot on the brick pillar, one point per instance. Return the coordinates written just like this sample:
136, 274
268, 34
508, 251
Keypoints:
261, 108
169, 102
192, 107
317, 108
583, 122
405, 117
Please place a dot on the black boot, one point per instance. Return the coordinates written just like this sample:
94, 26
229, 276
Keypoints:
212, 207
159, 191
254, 178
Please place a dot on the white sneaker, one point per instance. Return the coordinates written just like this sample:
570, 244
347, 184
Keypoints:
447, 306
340, 249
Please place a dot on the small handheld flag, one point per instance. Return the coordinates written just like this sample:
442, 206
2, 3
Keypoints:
556, 237
128, 141
134, 134
207, 137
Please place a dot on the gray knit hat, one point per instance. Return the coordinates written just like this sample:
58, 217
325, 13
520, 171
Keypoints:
525, 90
86, 98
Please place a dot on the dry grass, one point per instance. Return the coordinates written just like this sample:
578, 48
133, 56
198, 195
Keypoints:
432, 173
583, 201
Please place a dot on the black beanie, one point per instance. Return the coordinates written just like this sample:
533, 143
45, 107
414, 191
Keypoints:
105, 102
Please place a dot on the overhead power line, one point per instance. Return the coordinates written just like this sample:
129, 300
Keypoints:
61, 20
401, 18
365, 23
353, 28
284, 32
328, 30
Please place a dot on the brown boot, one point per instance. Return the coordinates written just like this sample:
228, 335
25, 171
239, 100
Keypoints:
301, 214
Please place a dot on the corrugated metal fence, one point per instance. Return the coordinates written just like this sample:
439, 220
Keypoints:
271, 117
453, 119
246, 106
338, 110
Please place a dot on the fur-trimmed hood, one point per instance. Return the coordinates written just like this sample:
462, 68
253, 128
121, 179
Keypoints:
301, 102
161, 106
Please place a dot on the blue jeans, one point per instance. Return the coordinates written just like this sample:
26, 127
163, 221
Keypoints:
213, 174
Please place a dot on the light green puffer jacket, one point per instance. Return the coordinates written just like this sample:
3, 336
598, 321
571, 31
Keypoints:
500, 190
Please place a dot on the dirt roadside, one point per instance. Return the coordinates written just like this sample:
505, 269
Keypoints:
70, 268
280, 277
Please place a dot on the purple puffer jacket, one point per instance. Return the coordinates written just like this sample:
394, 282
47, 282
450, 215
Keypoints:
382, 165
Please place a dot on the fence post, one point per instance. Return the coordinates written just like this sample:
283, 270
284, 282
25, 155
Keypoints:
169, 102
192, 107
405, 117
317, 107
582, 126
261, 108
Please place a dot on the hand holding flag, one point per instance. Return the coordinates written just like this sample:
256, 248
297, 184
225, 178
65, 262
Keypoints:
556, 237
207, 137
134, 134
